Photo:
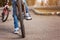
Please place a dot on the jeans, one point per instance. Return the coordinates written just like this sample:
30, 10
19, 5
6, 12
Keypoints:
15, 11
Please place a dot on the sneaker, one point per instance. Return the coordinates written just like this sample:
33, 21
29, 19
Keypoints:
28, 16
16, 31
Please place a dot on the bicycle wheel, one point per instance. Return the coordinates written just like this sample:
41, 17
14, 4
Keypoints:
20, 16
5, 15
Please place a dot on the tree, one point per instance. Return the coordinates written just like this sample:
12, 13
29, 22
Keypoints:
2, 2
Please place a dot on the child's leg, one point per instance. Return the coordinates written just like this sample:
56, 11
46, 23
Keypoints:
14, 16
27, 15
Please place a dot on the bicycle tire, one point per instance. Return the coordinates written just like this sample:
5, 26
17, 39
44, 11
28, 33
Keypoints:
4, 19
19, 2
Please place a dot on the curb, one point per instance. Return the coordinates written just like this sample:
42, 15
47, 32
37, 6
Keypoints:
45, 13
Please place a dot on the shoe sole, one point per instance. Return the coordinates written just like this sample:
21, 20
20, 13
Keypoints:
28, 19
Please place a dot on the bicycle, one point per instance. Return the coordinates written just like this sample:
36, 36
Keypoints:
20, 11
5, 13
20, 17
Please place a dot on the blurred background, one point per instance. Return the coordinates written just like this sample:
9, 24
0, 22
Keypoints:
38, 2
41, 6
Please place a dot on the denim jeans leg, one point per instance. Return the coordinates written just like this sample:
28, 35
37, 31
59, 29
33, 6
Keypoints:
14, 14
27, 10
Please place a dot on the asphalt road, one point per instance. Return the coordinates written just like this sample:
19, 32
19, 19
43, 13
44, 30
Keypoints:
41, 27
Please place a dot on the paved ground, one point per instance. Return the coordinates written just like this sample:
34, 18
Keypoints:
39, 28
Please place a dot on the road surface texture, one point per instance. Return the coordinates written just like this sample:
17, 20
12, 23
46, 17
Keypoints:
41, 27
